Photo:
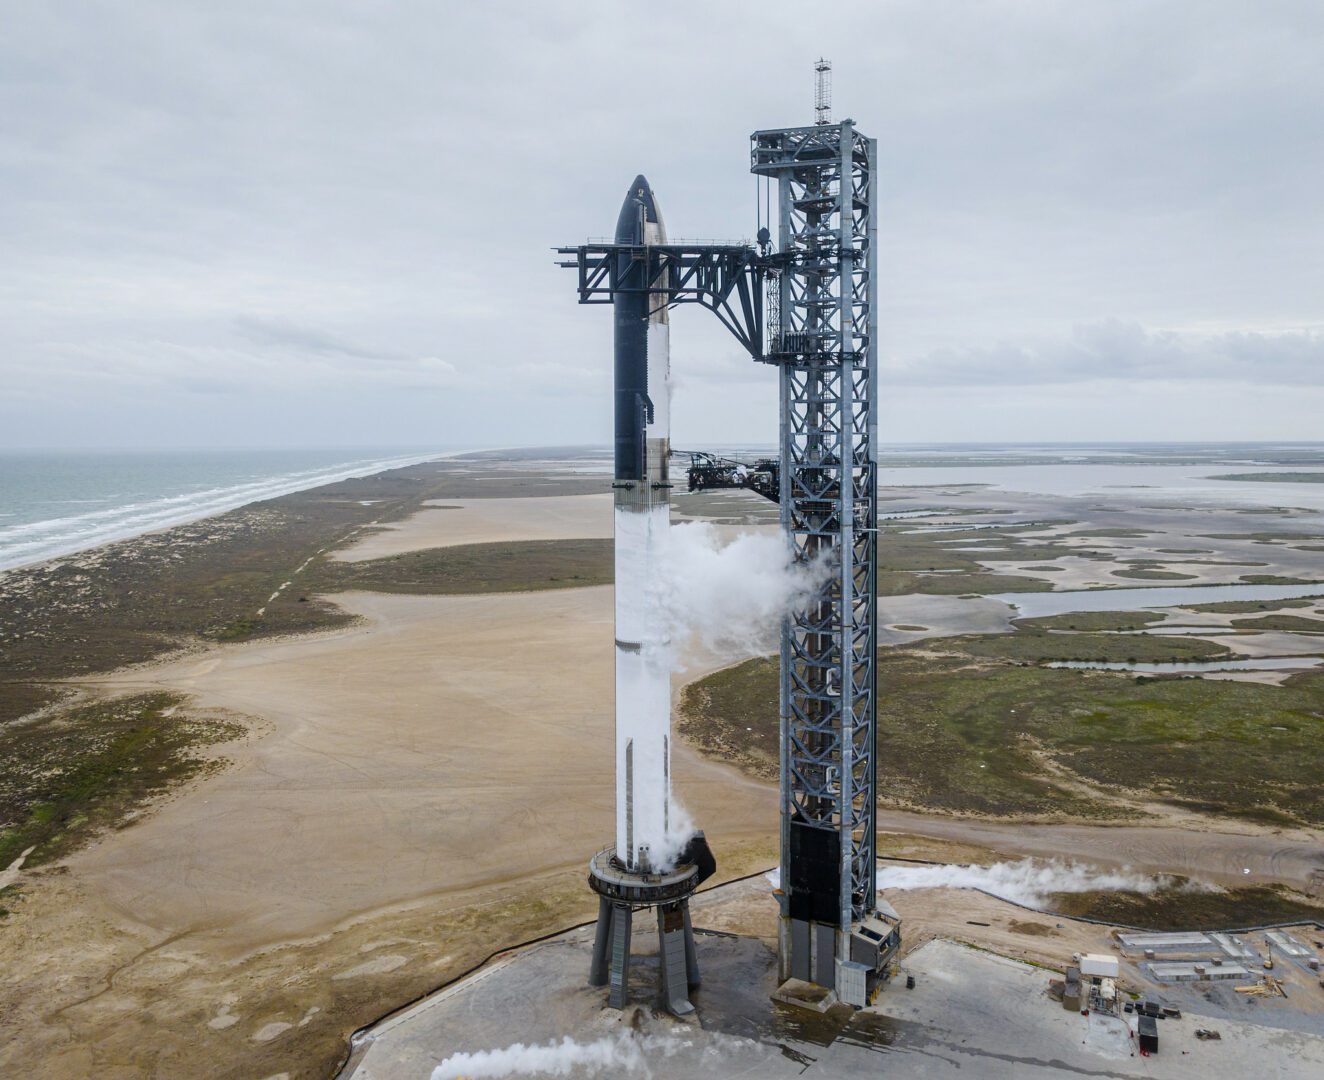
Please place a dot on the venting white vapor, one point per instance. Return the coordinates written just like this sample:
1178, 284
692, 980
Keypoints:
626, 1054
725, 597
728, 596
1030, 882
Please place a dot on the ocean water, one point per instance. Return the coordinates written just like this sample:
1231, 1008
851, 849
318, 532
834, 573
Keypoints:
55, 502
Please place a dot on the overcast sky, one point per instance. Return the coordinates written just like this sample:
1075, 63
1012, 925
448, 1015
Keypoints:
330, 223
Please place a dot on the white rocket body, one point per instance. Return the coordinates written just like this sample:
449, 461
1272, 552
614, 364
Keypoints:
644, 823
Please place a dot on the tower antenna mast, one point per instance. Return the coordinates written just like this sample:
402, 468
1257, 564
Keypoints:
822, 91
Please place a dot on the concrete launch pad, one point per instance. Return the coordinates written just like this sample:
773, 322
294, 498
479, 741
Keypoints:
972, 1013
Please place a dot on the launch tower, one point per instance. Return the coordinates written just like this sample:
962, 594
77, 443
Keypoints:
820, 285
822, 339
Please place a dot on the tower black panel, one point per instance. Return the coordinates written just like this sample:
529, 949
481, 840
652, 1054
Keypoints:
814, 890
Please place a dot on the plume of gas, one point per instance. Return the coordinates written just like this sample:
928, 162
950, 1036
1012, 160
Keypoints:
626, 1053
664, 851
1030, 882
724, 598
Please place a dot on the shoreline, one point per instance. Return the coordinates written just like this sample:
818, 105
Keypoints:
222, 505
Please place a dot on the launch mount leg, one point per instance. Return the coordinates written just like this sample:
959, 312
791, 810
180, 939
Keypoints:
673, 951
619, 994
599, 972
691, 953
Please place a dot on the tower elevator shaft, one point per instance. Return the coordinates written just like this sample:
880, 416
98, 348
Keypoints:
824, 344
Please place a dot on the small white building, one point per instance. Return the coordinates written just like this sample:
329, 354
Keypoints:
1099, 966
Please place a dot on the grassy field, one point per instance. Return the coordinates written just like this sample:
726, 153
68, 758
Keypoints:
65, 777
959, 584
1092, 620
915, 562
1239, 607
987, 737
1180, 908
475, 568
1281, 622
1274, 477
1265, 537
1118, 532
1031, 646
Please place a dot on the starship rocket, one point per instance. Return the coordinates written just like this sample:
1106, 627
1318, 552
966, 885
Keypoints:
642, 522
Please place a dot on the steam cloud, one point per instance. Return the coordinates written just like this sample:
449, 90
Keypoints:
664, 853
1030, 881
729, 598
625, 1054
725, 600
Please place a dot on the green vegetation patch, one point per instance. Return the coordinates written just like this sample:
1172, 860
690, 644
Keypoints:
21, 699
963, 584
915, 562
1091, 620
1007, 739
1281, 622
65, 777
1180, 907
1145, 573
1262, 537
1120, 533
1274, 477
520, 566
733, 714
1240, 607
1042, 647
1277, 579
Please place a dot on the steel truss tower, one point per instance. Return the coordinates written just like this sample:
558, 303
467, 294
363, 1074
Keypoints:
822, 331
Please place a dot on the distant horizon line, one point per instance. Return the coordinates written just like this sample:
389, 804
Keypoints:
460, 448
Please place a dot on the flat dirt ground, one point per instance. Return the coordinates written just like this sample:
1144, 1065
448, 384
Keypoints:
486, 521
444, 765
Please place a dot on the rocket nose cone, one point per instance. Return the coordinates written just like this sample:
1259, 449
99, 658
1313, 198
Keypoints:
640, 206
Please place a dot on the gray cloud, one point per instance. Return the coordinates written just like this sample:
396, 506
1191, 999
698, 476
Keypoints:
1113, 350
253, 222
